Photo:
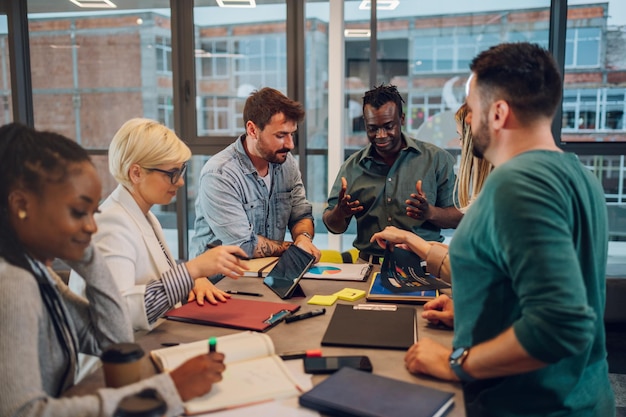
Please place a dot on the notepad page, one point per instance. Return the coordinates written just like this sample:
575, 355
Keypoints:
235, 347
247, 382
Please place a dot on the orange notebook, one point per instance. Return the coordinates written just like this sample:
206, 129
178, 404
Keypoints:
236, 313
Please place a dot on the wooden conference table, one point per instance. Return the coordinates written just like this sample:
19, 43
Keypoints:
297, 336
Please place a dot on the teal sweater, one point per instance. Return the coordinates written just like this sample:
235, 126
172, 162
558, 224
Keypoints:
531, 253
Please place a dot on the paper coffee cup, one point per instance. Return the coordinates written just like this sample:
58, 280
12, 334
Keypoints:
121, 364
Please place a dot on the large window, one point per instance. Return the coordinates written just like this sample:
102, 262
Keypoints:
237, 50
592, 110
215, 58
583, 48
93, 70
163, 50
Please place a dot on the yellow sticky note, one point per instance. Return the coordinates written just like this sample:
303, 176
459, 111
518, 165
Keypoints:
350, 294
323, 300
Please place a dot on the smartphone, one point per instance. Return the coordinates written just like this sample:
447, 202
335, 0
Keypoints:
330, 364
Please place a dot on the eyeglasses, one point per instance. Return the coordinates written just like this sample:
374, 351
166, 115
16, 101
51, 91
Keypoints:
174, 174
387, 127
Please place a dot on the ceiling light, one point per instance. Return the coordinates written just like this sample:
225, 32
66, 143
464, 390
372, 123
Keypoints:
102, 4
357, 33
236, 3
380, 4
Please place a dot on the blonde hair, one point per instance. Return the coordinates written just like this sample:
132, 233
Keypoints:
147, 143
473, 171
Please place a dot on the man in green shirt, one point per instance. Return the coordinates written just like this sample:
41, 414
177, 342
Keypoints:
528, 261
394, 181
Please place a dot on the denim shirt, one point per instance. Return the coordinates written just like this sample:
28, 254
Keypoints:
234, 204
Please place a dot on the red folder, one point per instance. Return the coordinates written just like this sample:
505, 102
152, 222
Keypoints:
237, 313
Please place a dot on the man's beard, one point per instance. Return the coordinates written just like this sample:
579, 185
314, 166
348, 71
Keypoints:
481, 139
278, 157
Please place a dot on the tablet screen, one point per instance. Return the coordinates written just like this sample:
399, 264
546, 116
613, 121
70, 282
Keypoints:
284, 277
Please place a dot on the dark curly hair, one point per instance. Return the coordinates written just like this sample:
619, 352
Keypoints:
383, 94
29, 159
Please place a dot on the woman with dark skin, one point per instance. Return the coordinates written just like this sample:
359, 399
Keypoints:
48, 197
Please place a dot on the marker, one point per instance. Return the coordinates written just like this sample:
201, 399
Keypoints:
212, 344
217, 243
307, 315
253, 294
300, 355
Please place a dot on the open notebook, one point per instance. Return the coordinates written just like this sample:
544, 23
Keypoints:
254, 373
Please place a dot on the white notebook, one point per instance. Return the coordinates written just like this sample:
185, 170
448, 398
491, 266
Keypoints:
254, 373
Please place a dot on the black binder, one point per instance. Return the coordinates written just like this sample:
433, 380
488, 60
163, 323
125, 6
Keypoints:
372, 326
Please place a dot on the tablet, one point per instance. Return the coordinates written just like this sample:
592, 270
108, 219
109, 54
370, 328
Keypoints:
284, 277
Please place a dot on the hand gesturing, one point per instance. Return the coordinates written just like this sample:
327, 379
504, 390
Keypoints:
346, 207
417, 204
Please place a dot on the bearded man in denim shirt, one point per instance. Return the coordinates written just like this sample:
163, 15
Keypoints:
252, 192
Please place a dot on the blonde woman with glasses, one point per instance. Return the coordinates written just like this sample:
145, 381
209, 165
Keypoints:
472, 174
149, 162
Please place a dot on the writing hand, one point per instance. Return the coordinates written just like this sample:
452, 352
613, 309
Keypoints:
196, 376
440, 310
417, 205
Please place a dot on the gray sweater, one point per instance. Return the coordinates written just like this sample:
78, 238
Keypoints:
32, 360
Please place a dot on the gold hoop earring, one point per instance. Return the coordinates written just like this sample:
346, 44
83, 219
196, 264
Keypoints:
21, 214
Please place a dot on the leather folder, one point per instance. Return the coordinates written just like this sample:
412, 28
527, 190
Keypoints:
236, 313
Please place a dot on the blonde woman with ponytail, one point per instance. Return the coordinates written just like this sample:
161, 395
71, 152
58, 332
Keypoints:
473, 171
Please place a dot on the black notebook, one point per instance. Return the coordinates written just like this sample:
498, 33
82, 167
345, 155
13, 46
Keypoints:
352, 393
372, 326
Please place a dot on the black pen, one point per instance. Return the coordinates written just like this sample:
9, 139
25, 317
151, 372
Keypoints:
253, 294
217, 243
306, 315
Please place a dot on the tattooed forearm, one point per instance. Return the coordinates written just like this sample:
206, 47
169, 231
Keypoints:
267, 247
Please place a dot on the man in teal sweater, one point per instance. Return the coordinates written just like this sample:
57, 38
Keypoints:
528, 260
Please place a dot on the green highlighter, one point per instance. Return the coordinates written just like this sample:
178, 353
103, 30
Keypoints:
212, 344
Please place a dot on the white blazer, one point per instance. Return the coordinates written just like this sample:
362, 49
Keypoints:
128, 240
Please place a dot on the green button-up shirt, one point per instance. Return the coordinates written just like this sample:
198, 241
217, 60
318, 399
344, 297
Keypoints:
383, 190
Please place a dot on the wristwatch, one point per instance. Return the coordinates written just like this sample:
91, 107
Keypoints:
307, 234
457, 357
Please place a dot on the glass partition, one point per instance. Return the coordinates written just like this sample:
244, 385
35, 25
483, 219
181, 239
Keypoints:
93, 69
